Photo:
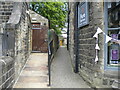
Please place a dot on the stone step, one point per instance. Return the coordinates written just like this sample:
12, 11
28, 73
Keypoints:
33, 79
31, 85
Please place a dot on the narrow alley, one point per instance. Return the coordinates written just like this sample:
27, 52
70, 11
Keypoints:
62, 72
34, 73
59, 44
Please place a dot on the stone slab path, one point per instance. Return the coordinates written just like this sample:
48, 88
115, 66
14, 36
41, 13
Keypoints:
34, 74
62, 74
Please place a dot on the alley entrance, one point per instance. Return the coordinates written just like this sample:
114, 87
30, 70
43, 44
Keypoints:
39, 38
62, 74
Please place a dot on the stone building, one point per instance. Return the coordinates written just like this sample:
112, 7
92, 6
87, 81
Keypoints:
37, 18
84, 19
39, 32
15, 33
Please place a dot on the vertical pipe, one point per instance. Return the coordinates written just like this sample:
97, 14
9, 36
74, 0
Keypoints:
68, 28
76, 38
49, 73
49, 68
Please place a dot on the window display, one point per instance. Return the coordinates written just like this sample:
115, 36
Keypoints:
114, 48
113, 14
114, 32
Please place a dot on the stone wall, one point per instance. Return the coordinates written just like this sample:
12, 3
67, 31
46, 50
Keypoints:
6, 62
7, 73
92, 72
5, 11
37, 18
15, 39
22, 40
71, 31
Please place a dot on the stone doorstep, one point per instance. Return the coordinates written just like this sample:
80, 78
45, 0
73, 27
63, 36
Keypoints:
34, 73
39, 59
31, 85
33, 79
37, 62
39, 56
37, 68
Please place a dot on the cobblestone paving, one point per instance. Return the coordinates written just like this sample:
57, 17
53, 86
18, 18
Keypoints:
34, 74
62, 72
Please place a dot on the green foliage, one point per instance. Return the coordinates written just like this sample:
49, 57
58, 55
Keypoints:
55, 12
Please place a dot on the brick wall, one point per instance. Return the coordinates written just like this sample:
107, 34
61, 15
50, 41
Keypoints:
92, 72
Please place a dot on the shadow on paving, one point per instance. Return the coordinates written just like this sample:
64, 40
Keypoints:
62, 74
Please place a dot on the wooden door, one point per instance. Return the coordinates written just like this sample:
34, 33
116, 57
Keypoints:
39, 38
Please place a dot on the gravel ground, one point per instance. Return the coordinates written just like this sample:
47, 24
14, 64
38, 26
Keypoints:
62, 75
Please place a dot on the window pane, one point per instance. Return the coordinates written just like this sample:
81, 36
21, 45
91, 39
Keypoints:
113, 14
114, 48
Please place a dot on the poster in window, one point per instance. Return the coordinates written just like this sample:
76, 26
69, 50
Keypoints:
115, 54
115, 36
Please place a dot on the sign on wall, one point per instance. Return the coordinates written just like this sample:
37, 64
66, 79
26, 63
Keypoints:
83, 14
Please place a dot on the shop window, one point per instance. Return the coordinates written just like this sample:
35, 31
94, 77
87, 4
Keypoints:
113, 30
114, 14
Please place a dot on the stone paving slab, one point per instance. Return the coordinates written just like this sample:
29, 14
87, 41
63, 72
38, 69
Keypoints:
35, 72
31, 85
33, 79
36, 68
62, 73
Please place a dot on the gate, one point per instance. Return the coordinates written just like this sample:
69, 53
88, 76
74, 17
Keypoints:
39, 38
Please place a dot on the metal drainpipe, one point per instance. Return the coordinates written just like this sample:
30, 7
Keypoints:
76, 39
68, 29
49, 64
